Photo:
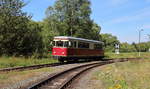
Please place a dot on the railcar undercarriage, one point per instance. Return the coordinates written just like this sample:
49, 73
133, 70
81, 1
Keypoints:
77, 58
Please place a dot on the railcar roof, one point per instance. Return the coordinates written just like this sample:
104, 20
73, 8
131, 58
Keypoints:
74, 38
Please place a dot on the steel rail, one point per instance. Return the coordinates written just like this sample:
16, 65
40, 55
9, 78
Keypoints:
30, 67
54, 81
43, 65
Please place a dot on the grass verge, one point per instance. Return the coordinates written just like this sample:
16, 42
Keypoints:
6, 62
11, 78
127, 75
128, 55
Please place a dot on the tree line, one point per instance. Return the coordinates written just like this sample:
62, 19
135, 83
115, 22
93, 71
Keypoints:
20, 35
110, 41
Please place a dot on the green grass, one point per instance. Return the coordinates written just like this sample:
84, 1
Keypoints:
5, 76
128, 55
7, 79
6, 62
127, 75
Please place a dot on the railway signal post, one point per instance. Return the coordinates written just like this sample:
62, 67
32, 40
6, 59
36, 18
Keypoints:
117, 49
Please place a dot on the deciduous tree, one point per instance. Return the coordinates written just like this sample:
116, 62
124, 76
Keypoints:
72, 18
18, 34
109, 41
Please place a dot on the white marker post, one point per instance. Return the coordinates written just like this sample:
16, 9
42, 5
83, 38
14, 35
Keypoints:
117, 49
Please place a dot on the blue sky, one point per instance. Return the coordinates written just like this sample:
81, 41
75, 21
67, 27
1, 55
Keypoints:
122, 18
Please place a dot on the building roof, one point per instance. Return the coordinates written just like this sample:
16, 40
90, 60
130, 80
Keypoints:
74, 38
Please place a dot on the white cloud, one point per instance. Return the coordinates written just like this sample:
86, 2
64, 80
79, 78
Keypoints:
147, 26
139, 15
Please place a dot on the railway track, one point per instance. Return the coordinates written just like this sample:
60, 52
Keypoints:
34, 67
31, 67
63, 79
40, 66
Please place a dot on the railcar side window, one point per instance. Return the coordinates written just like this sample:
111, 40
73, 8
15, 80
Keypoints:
59, 43
74, 44
66, 44
83, 45
97, 46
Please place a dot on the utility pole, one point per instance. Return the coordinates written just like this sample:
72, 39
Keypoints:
148, 37
140, 41
148, 41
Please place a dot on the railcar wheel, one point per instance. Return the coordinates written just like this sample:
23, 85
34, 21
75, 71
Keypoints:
62, 61
70, 61
76, 60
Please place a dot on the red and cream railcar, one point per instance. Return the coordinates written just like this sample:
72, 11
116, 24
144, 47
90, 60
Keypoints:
71, 48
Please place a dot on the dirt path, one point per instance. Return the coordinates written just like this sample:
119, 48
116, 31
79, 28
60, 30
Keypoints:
86, 82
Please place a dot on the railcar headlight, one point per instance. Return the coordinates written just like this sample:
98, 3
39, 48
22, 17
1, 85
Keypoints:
62, 52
